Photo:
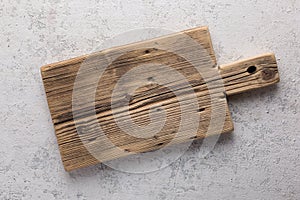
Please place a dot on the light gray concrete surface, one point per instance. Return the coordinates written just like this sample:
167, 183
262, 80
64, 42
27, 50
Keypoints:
259, 160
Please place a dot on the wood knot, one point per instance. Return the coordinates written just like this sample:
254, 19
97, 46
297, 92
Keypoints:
267, 74
151, 79
128, 97
201, 109
160, 144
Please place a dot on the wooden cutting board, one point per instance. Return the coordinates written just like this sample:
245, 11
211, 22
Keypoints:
87, 110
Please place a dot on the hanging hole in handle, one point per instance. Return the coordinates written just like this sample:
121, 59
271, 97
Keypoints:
251, 69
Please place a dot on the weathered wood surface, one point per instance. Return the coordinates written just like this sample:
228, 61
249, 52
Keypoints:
59, 80
249, 74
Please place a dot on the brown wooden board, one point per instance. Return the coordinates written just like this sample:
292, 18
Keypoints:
77, 134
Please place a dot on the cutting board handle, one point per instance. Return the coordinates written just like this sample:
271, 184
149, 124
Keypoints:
249, 74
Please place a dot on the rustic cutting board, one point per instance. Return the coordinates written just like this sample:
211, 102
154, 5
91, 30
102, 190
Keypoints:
86, 126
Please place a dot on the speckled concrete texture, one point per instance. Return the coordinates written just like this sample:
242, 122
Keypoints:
259, 160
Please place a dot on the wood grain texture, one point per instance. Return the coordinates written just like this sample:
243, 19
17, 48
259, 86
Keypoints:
76, 135
249, 74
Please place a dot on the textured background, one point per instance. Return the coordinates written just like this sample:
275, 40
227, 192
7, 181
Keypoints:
259, 160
